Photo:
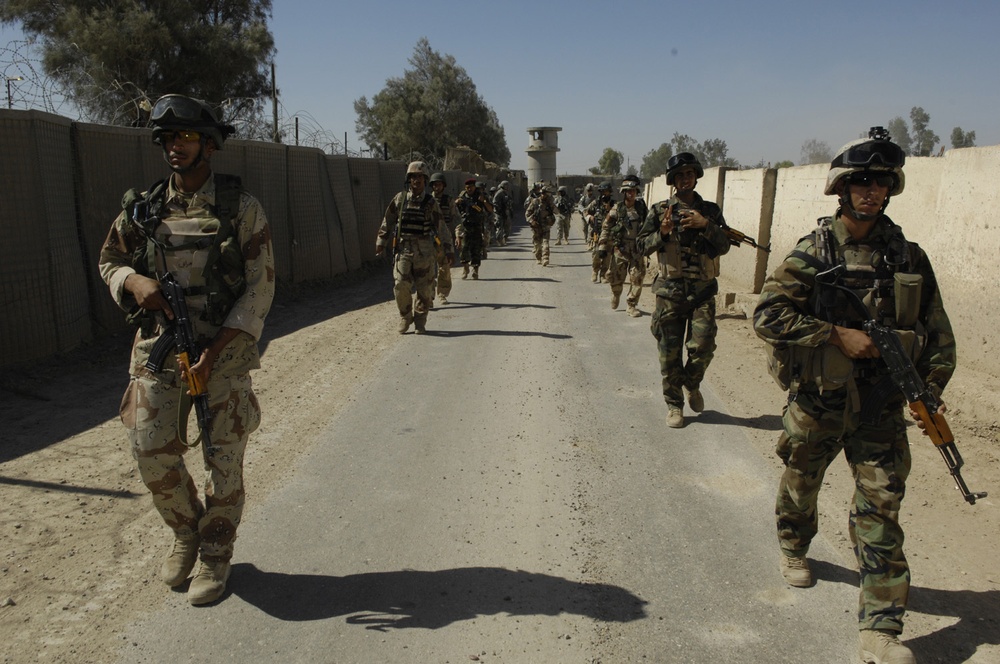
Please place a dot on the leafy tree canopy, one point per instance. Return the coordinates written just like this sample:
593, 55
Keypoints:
787, 163
115, 57
610, 163
924, 139
962, 139
815, 151
654, 162
433, 106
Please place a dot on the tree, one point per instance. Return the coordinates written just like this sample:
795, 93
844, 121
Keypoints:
924, 139
610, 163
715, 152
117, 56
961, 139
787, 163
815, 151
434, 105
900, 134
654, 162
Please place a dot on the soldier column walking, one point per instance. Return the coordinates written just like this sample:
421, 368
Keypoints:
618, 239
540, 215
411, 226
450, 215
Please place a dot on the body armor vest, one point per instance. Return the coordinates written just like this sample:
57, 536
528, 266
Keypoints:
688, 255
415, 218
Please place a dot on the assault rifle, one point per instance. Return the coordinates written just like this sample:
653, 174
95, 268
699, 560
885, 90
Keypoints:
180, 335
736, 238
904, 377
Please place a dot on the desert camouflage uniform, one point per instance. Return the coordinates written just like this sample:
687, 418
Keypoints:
415, 267
450, 215
819, 424
618, 234
540, 215
685, 294
563, 211
149, 409
585, 200
503, 208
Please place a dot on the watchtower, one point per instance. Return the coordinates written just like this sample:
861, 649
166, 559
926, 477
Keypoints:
542, 154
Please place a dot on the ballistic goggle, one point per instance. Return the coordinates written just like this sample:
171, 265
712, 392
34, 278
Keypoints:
172, 109
870, 153
682, 159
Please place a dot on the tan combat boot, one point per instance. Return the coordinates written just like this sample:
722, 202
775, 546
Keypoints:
675, 417
465, 271
696, 401
209, 582
633, 311
444, 299
475, 271
796, 571
421, 325
879, 646
180, 561
404, 324
594, 278
616, 298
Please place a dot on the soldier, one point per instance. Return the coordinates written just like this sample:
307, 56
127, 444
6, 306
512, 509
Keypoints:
536, 191
540, 215
618, 234
488, 222
473, 209
564, 210
816, 334
450, 215
687, 234
595, 215
412, 225
503, 206
212, 237
585, 200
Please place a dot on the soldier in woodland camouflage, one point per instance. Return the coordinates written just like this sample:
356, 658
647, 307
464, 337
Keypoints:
832, 372
503, 208
687, 234
586, 198
617, 241
474, 209
595, 214
420, 228
213, 237
564, 211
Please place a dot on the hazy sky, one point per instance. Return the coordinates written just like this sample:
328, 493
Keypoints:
764, 76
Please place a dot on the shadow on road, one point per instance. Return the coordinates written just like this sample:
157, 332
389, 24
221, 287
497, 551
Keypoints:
977, 612
495, 333
762, 422
496, 306
429, 599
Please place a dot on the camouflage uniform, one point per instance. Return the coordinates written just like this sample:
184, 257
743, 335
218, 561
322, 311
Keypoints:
149, 409
415, 266
471, 230
503, 207
563, 211
599, 209
540, 215
822, 418
685, 293
618, 238
449, 214
585, 200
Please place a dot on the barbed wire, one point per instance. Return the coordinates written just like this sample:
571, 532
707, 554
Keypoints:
30, 88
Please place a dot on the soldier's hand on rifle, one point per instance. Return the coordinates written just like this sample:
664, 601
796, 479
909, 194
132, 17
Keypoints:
693, 219
148, 295
942, 409
855, 344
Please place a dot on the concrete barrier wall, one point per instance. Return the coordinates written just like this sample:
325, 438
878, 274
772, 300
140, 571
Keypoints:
63, 184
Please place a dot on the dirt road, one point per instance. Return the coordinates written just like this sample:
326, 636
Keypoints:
81, 544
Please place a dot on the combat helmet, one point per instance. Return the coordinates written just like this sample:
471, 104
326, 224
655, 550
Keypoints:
177, 112
417, 168
679, 161
438, 177
505, 185
875, 153
604, 187
630, 182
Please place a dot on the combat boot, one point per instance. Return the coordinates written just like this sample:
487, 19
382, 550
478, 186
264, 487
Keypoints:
616, 298
675, 417
465, 271
180, 561
209, 582
879, 646
444, 299
796, 571
475, 271
420, 325
545, 262
594, 278
695, 400
404, 324
633, 312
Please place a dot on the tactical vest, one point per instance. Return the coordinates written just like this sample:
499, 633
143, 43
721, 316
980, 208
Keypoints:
445, 204
415, 220
625, 229
881, 274
688, 255
223, 272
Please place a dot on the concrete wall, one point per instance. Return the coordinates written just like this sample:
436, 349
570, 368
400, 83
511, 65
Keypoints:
63, 184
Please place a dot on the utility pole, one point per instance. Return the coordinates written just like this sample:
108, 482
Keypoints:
274, 102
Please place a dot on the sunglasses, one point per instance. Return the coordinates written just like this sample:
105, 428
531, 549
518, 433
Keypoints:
886, 180
183, 135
